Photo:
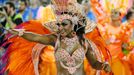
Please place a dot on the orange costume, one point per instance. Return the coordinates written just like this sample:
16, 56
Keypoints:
114, 38
130, 56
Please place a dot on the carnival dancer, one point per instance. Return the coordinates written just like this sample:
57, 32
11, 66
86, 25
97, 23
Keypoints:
115, 33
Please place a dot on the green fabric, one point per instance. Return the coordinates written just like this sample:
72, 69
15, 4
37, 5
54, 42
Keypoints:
7, 26
125, 51
17, 16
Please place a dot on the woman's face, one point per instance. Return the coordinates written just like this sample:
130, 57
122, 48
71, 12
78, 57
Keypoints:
115, 15
65, 27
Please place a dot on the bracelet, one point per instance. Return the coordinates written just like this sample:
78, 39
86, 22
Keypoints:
21, 31
104, 65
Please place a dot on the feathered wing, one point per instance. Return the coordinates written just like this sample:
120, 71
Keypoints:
99, 42
93, 34
19, 53
99, 46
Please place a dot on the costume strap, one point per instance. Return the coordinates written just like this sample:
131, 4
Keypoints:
35, 56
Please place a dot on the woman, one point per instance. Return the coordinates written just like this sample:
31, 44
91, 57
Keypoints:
112, 31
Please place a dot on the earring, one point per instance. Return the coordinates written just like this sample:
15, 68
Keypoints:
73, 33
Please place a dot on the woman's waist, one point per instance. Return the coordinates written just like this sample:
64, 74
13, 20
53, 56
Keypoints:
69, 69
78, 71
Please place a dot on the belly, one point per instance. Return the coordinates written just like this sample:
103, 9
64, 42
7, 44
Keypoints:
63, 71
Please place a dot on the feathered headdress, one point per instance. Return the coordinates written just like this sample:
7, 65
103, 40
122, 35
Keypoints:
71, 9
120, 5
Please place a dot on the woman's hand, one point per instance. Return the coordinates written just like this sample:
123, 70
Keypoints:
107, 68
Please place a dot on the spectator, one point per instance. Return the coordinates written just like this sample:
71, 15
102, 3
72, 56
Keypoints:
12, 16
34, 7
23, 10
8, 18
45, 11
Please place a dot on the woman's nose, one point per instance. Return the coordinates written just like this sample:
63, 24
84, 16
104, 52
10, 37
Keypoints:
60, 28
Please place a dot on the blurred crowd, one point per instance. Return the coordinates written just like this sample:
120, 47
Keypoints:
28, 9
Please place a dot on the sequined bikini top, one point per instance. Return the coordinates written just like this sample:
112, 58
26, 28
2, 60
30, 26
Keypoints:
70, 60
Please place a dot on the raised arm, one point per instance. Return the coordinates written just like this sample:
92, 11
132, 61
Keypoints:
94, 62
46, 39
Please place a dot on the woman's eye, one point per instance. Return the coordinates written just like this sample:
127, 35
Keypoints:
115, 12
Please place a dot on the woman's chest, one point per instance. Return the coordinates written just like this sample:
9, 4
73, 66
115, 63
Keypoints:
70, 49
70, 45
111, 30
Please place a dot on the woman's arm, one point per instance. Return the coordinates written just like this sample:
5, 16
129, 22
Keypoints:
94, 62
46, 39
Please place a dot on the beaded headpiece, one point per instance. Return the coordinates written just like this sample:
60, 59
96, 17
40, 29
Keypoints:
72, 10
